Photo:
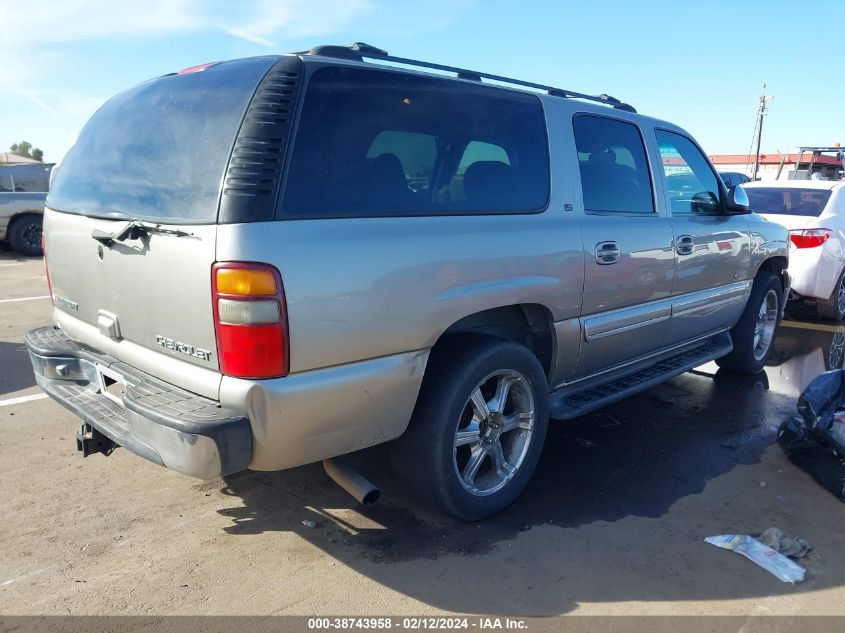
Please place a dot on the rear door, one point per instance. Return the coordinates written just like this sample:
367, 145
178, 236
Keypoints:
712, 249
157, 153
629, 263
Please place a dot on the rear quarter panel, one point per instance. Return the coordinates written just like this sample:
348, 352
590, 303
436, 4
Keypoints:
365, 288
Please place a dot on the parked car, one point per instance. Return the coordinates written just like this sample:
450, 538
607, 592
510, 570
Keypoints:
733, 178
370, 254
814, 213
23, 190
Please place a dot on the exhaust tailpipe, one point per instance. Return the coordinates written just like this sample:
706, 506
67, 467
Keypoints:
351, 480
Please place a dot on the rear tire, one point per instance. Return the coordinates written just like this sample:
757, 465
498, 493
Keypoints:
469, 464
834, 306
25, 235
754, 333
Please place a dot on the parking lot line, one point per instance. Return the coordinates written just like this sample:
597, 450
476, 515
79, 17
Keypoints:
14, 264
22, 399
821, 327
24, 299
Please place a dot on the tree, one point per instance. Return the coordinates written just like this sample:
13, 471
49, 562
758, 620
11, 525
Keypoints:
25, 149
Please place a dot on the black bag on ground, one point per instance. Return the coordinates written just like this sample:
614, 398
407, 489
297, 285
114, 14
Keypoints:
815, 442
819, 461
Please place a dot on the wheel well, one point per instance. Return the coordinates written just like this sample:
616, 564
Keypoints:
774, 264
18, 216
530, 324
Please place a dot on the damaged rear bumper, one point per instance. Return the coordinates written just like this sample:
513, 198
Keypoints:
158, 421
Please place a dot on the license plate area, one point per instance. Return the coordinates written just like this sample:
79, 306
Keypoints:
111, 384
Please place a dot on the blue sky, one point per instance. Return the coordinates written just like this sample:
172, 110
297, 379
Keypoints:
697, 63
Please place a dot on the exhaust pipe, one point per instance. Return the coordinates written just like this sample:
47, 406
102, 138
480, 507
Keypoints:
351, 480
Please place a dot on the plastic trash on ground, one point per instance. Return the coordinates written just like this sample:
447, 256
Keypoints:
767, 558
815, 441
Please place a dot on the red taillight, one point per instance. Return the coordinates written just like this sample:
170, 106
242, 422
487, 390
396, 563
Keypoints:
250, 320
809, 238
46, 269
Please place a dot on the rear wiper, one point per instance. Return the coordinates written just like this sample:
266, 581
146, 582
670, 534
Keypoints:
135, 229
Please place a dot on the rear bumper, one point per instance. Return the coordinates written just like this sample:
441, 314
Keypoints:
158, 421
814, 271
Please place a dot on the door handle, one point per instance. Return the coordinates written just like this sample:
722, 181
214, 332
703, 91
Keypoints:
607, 253
685, 245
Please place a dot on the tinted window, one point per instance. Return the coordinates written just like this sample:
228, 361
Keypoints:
788, 200
158, 151
5, 182
374, 143
692, 184
613, 165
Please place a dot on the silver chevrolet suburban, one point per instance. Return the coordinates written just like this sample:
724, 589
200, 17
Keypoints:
272, 261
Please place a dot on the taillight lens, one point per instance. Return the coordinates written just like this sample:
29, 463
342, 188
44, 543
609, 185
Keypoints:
46, 269
809, 238
196, 69
250, 319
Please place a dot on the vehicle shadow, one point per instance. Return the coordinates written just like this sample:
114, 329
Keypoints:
9, 255
636, 459
15, 368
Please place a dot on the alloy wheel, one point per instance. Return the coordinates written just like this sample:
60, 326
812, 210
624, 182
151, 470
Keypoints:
764, 329
494, 432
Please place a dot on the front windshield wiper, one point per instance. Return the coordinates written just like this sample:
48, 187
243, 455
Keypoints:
135, 229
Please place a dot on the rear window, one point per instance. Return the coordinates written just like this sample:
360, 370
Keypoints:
382, 143
158, 151
788, 201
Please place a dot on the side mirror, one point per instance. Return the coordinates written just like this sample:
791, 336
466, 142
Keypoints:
738, 201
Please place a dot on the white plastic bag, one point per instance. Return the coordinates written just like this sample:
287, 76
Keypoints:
767, 558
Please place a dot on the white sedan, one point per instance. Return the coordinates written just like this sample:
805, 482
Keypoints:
814, 213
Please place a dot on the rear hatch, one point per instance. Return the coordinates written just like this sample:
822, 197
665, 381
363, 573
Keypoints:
156, 153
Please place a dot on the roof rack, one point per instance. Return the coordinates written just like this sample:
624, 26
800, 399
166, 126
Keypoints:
360, 50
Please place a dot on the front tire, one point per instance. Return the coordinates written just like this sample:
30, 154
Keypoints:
834, 306
25, 235
753, 334
478, 427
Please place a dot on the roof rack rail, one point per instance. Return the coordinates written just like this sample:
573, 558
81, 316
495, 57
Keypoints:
360, 50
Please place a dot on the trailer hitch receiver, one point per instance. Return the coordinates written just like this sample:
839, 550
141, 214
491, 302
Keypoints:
90, 441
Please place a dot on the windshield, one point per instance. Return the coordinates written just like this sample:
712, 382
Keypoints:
788, 200
158, 151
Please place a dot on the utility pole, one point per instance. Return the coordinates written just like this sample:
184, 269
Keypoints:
761, 112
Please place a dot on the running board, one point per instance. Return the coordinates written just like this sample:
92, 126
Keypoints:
570, 402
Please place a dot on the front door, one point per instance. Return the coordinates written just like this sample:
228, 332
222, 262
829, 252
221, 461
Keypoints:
712, 249
629, 261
